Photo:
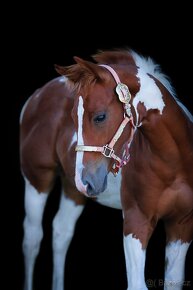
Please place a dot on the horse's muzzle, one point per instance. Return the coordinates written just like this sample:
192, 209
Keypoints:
96, 182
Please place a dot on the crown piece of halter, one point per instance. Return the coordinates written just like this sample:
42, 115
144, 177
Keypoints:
122, 90
107, 150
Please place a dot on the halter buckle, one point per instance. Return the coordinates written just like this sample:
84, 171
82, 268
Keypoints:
107, 151
123, 93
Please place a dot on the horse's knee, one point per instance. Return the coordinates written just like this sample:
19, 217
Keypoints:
64, 222
62, 235
33, 235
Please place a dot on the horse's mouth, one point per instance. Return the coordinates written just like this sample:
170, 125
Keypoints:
95, 187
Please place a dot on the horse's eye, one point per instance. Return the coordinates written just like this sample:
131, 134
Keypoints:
100, 118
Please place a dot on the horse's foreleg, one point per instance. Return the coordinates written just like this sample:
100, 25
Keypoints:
63, 230
175, 265
33, 232
135, 263
179, 237
137, 231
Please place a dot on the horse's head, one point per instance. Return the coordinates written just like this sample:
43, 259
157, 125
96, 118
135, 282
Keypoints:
102, 117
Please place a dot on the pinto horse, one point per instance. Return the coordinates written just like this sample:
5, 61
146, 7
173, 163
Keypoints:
127, 117
47, 150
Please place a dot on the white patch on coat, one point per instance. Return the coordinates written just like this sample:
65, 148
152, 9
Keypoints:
79, 155
148, 66
63, 230
149, 98
175, 264
149, 93
135, 263
111, 196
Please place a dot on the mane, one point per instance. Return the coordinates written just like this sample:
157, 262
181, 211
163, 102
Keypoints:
129, 56
147, 65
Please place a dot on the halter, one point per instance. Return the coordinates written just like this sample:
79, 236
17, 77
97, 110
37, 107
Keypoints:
107, 150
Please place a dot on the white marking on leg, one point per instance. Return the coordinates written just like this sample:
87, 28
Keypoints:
135, 263
33, 233
79, 155
63, 230
175, 265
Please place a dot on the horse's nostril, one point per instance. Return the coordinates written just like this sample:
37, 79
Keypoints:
96, 182
94, 187
91, 190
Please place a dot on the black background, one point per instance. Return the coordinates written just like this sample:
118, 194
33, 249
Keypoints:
34, 39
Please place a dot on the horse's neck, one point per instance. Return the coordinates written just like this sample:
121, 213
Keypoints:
167, 132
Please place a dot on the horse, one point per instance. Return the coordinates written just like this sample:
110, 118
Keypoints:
128, 117
47, 151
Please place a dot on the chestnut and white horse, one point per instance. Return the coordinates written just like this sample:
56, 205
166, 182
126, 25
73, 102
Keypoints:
127, 117
47, 150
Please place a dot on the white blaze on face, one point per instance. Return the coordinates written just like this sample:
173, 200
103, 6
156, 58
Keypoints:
79, 155
149, 93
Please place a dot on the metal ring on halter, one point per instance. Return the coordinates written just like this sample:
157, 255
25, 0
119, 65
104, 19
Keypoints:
107, 152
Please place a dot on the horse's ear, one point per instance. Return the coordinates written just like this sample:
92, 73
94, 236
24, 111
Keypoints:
81, 70
60, 69
78, 60
91, 67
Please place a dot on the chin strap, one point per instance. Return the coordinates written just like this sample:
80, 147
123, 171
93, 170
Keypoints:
107, 150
